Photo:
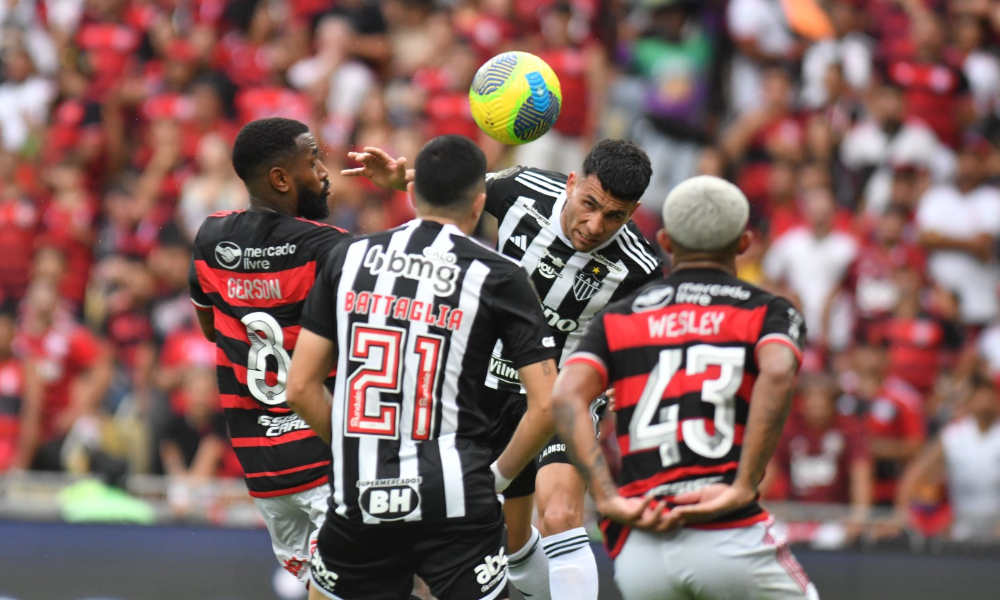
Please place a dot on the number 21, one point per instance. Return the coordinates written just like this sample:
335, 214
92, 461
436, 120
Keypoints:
381, 352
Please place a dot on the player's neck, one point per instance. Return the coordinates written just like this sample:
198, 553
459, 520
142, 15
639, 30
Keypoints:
464, 226
275, 206
695, 262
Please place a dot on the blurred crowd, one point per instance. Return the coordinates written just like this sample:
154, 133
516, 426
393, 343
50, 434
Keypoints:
866, 134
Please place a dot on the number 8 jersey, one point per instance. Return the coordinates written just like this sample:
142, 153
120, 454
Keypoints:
253, 270
681, 355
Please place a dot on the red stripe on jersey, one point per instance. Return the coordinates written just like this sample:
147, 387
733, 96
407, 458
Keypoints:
613, 551
585, 358
237, 402
777, 338
234, 329
224, 213
684, 323
261, 290
311, 222
641, 486
629, 390
256, 442
293, 490
321, 463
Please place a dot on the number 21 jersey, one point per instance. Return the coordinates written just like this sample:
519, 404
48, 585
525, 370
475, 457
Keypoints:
253, 270
414, 313
681, 355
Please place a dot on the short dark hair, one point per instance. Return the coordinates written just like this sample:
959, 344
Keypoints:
263, 142
448, 168
622, 168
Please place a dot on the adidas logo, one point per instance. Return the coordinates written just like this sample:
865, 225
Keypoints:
521, 241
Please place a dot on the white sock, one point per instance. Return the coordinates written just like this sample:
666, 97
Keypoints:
528, 569
572, 567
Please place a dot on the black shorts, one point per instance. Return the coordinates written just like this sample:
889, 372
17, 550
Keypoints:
554, 452
460, 561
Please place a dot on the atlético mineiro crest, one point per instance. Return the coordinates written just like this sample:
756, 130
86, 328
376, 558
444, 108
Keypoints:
586, 284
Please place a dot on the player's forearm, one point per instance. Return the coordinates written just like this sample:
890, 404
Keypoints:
770, 404
536, 426
310, 402
576, 429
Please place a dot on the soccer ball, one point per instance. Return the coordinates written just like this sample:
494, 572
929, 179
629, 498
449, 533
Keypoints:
515, 97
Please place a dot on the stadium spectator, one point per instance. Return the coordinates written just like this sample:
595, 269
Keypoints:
67, 373
959, 226
851, 50
823, 456
810, 261
19, 220
216, 187
891, 414
885, 139
194, 441
24, 100
964, 456
936, 92
762, 35
11, 391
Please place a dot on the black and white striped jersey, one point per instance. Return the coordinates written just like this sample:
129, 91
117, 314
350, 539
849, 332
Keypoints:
573, 285
414, 313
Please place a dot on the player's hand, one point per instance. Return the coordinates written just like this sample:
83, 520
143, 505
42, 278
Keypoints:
708, 503
382, 169
610, 395
640, 513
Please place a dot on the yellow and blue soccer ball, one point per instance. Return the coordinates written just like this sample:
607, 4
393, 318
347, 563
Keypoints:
515, 97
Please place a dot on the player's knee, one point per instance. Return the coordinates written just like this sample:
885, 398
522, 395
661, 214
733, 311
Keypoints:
560, 517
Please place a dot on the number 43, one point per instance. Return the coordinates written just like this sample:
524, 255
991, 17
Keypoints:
645, 434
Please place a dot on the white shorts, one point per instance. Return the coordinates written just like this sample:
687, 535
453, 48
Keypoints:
744, 563
293, 522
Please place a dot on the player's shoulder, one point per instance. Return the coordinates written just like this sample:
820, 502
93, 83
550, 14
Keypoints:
315, 235
218, 224
635, 250
538, 184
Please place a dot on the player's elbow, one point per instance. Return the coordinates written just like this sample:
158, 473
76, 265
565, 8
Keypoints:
296, 392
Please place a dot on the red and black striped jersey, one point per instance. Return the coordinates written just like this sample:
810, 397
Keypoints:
254, 270
681, 355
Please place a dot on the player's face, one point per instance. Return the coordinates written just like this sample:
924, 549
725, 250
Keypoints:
592, 215
312, 180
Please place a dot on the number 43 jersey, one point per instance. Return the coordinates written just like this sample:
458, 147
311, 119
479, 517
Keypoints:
414, 313
253, 270
681, 355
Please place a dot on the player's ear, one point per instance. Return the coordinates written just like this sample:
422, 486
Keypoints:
411, 195
570, 183
745, 240
478, 205
663, 239
280, 179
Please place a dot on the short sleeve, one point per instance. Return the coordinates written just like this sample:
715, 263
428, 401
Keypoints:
320, 312
783, 324
524, 331
199, 298
592, 349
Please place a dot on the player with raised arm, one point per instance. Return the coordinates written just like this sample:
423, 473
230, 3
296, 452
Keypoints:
572, 235
250, 274
703, 366
409, 318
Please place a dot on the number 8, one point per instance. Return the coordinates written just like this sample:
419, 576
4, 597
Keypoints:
266, 339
